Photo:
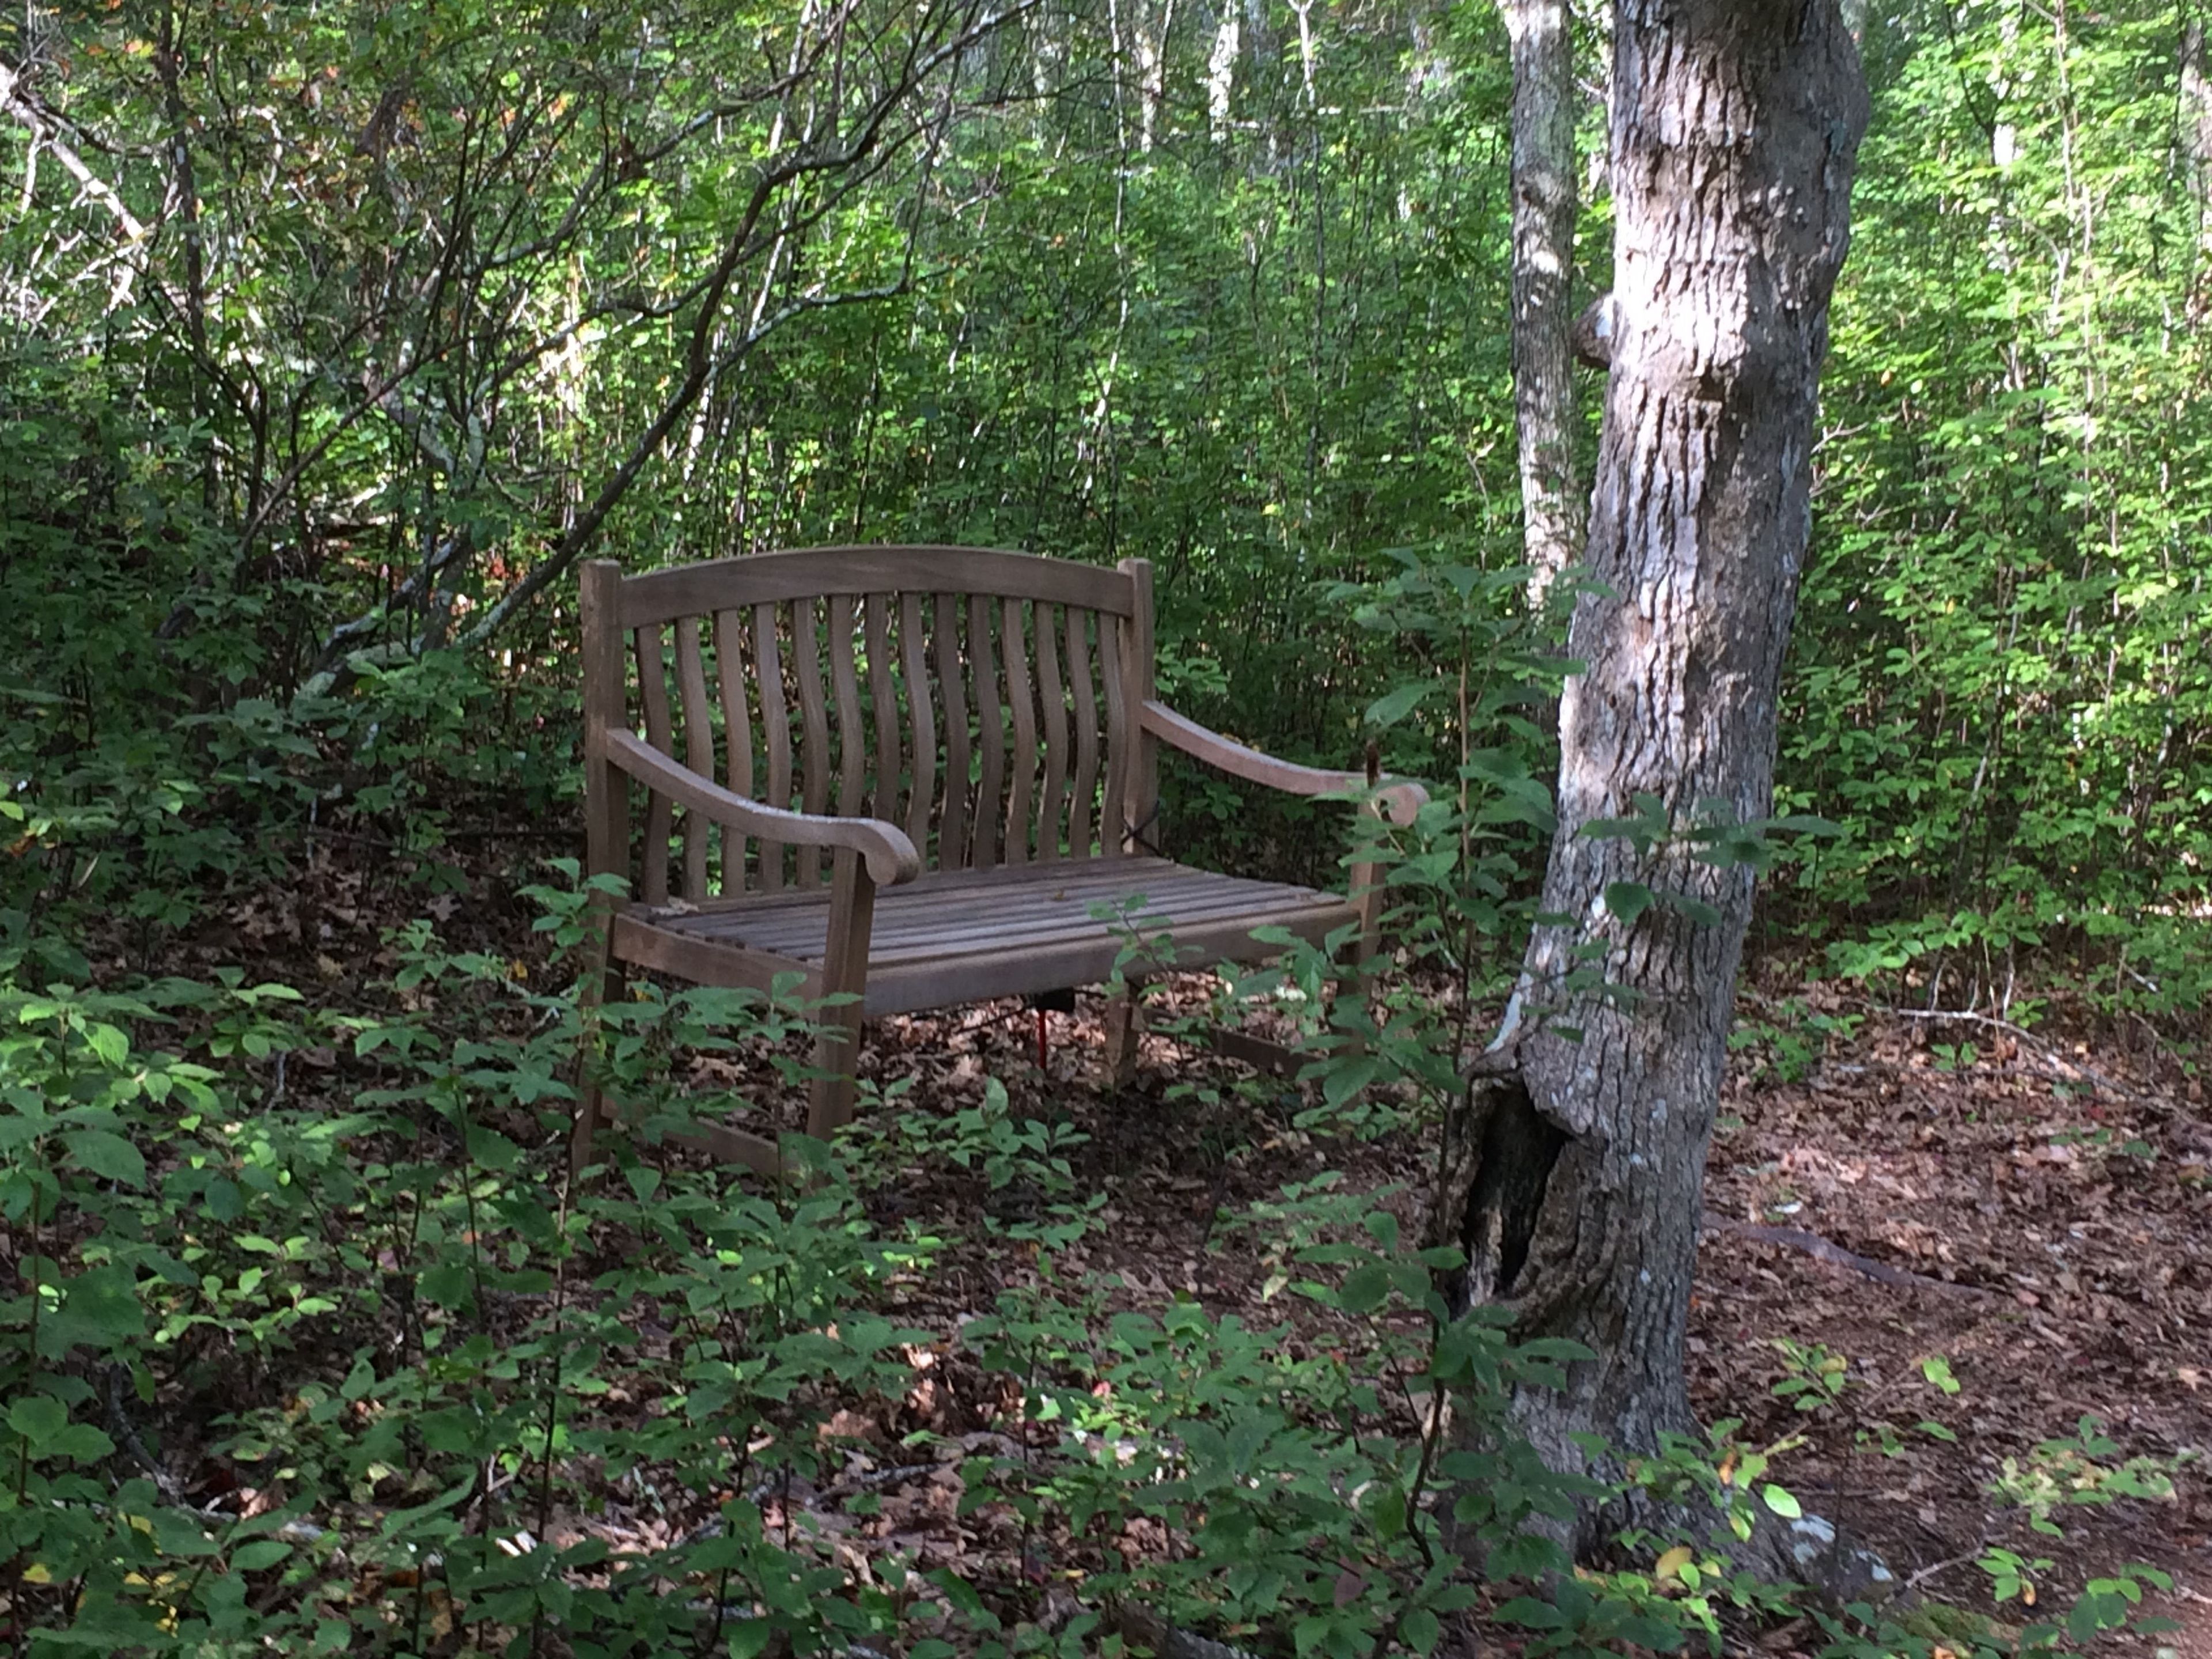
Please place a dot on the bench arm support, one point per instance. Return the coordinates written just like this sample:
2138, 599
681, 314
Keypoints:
1401, 797
884, 848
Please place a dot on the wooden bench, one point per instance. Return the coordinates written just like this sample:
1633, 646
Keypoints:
985, 725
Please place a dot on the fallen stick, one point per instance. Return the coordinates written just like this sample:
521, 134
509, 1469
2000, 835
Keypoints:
1827, 1250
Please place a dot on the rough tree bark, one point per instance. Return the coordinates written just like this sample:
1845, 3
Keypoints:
1543, 264
1735, 128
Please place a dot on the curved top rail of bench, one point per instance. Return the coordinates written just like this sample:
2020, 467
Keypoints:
698, 590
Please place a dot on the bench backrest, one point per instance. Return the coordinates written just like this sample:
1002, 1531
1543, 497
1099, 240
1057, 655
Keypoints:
985, 703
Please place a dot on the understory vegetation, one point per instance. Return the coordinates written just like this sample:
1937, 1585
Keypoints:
331, 336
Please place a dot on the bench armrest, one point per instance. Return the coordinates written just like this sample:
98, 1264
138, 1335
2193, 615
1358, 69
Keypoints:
1401, 797
884, 847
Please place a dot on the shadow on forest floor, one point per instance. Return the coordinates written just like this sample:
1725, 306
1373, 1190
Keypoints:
2030, 1220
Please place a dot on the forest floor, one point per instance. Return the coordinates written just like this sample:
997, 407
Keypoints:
2029, 1218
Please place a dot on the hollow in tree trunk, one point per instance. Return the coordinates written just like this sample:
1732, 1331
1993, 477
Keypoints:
1734, 128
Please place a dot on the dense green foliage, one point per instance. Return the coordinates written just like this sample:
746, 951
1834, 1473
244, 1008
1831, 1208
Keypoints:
2001, 683
331, 334
415, 307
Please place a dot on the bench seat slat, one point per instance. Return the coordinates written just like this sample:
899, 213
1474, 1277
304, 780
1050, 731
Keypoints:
929, 918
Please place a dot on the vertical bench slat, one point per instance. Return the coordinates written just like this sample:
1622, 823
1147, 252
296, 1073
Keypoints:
953, 854
1140, 751
775, 735
1084, 794
1023, 707
814, 727
1055, 735
652, 698
1113, 820
990, 723
852, 737
923, 787
698, 750
737, 733
884, 697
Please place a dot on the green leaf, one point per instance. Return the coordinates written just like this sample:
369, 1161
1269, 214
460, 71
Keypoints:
80, 1443
448, 1285
1365, 1288
100, 1309
1805, 824
107, 1155
1781, 1501
261, 1553
39, 1417
1696, 909
1390, 710
1340, 1082
1529, 1614
1937, 1370
1627, 899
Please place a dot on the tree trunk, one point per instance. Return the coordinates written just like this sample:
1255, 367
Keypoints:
1734, 127
1543, 266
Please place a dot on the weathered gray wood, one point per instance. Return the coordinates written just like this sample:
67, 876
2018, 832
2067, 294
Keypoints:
990, 718
606, 820
1114, 841
1083, 793
1052, 798
845, 683
775, 734
921, 789
844, 974
1140, 754
1401, 797
709, 962
953, 842
698, 748
811, 572
950, 930
1015, 648
889, 854
737, 734
732, 1145
1064, 740
907, 987
814, 728
883, 695
652, 698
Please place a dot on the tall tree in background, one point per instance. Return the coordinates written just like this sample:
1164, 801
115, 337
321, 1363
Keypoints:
1735, 126
1543, 267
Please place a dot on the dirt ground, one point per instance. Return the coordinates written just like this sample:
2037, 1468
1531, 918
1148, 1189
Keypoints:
2031, 1220
2027, 1215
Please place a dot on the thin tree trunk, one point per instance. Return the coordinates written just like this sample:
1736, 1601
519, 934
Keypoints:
1736, 125
1543, 266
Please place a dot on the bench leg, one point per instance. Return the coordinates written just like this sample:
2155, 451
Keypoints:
610, 984
1367, 898
1124, 1025
845, 970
